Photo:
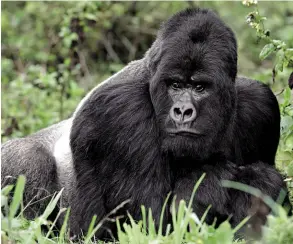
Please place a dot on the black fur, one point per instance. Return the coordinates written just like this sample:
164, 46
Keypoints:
121, 147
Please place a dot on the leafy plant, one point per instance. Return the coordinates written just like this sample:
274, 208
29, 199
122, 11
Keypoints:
283, 59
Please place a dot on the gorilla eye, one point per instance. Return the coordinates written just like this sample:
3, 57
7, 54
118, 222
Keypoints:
176, 85
199, 87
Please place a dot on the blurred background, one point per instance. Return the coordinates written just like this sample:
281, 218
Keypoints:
55, 52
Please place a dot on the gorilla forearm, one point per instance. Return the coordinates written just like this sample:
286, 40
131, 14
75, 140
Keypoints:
226, 202
210, 191
258, 175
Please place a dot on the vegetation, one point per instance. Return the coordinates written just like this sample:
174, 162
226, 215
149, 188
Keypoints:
55, 52
186, 227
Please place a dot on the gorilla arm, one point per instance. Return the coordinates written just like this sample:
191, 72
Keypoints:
209, 192
257, 133
114, 141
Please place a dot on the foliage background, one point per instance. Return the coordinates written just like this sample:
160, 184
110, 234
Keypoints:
55, 52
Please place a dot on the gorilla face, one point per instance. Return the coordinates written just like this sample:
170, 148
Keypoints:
198, 114
193, 91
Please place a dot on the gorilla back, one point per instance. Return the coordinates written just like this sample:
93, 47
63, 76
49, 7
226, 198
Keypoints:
34, 157
154, 127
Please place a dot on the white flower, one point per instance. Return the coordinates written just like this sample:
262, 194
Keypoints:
249, 2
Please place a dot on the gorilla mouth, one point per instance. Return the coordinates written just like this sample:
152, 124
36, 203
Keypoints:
184, 132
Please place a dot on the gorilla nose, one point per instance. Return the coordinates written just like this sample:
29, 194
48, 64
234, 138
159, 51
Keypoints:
183, 112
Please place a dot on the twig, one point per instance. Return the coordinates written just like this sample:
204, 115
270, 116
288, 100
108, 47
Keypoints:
110, 49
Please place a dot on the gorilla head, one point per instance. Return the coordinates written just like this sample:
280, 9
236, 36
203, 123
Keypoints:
195, 59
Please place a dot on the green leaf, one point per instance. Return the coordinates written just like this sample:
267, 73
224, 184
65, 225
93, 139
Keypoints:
266, 51
280, 60
17, 196
90, 16
64, 226
290, 169
289, 142
286, 123
52, 204
5, 191
90, 229
287, 95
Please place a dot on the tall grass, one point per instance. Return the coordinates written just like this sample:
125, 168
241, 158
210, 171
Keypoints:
185, 227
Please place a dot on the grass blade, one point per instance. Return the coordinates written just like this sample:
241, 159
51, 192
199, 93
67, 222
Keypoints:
17, 196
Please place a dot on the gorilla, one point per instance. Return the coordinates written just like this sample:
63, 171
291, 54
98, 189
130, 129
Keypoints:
155, 127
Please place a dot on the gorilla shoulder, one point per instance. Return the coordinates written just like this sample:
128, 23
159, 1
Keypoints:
258, 120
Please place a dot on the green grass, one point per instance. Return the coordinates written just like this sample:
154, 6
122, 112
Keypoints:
185, 227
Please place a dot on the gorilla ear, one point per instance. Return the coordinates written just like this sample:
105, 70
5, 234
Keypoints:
153, 56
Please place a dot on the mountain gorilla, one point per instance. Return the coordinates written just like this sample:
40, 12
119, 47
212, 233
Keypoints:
154, 128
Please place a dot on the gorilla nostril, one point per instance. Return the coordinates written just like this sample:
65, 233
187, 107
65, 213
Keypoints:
187, 113
177, 112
